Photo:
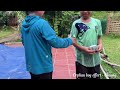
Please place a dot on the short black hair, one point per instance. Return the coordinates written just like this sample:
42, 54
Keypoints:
28, 12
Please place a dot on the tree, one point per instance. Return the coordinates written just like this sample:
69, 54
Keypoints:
61, 21
3, 18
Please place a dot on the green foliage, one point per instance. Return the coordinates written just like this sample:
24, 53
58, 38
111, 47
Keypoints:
100, 15
104, 25
20, 15
66, 22
5, 28
50, 16
61, 21
116, 15
3, 17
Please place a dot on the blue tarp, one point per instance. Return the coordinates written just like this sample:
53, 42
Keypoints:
12, 63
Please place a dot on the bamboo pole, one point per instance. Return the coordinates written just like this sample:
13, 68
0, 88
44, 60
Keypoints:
105, 74
117, 71
111, 63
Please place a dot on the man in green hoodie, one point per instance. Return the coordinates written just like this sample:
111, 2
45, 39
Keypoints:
38, 39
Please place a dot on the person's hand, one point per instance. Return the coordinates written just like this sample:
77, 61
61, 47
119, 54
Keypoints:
99, 48
73, 40
88, 50
69, 35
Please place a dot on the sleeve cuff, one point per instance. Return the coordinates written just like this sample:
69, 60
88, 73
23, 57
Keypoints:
70, 41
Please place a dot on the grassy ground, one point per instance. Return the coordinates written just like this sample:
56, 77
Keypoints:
111, 45
110, 72
5, 32
9, 34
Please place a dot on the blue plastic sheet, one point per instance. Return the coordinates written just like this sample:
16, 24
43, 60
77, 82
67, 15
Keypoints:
12, 63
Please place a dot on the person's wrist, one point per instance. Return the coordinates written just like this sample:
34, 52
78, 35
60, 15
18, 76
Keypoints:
70, 40
83, 48
100, 44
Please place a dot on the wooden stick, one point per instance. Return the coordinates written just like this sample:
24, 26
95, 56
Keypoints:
117, 71
106, 76
111, 63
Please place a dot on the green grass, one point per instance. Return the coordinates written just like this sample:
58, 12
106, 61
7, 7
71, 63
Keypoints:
110, 71
5, 33
18, 40
111, 45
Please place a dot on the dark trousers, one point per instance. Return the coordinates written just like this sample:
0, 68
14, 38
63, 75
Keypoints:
83, 72
41, 76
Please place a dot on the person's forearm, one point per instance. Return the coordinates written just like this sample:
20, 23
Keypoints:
78, 46
57, 42
83, 48
99, 40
